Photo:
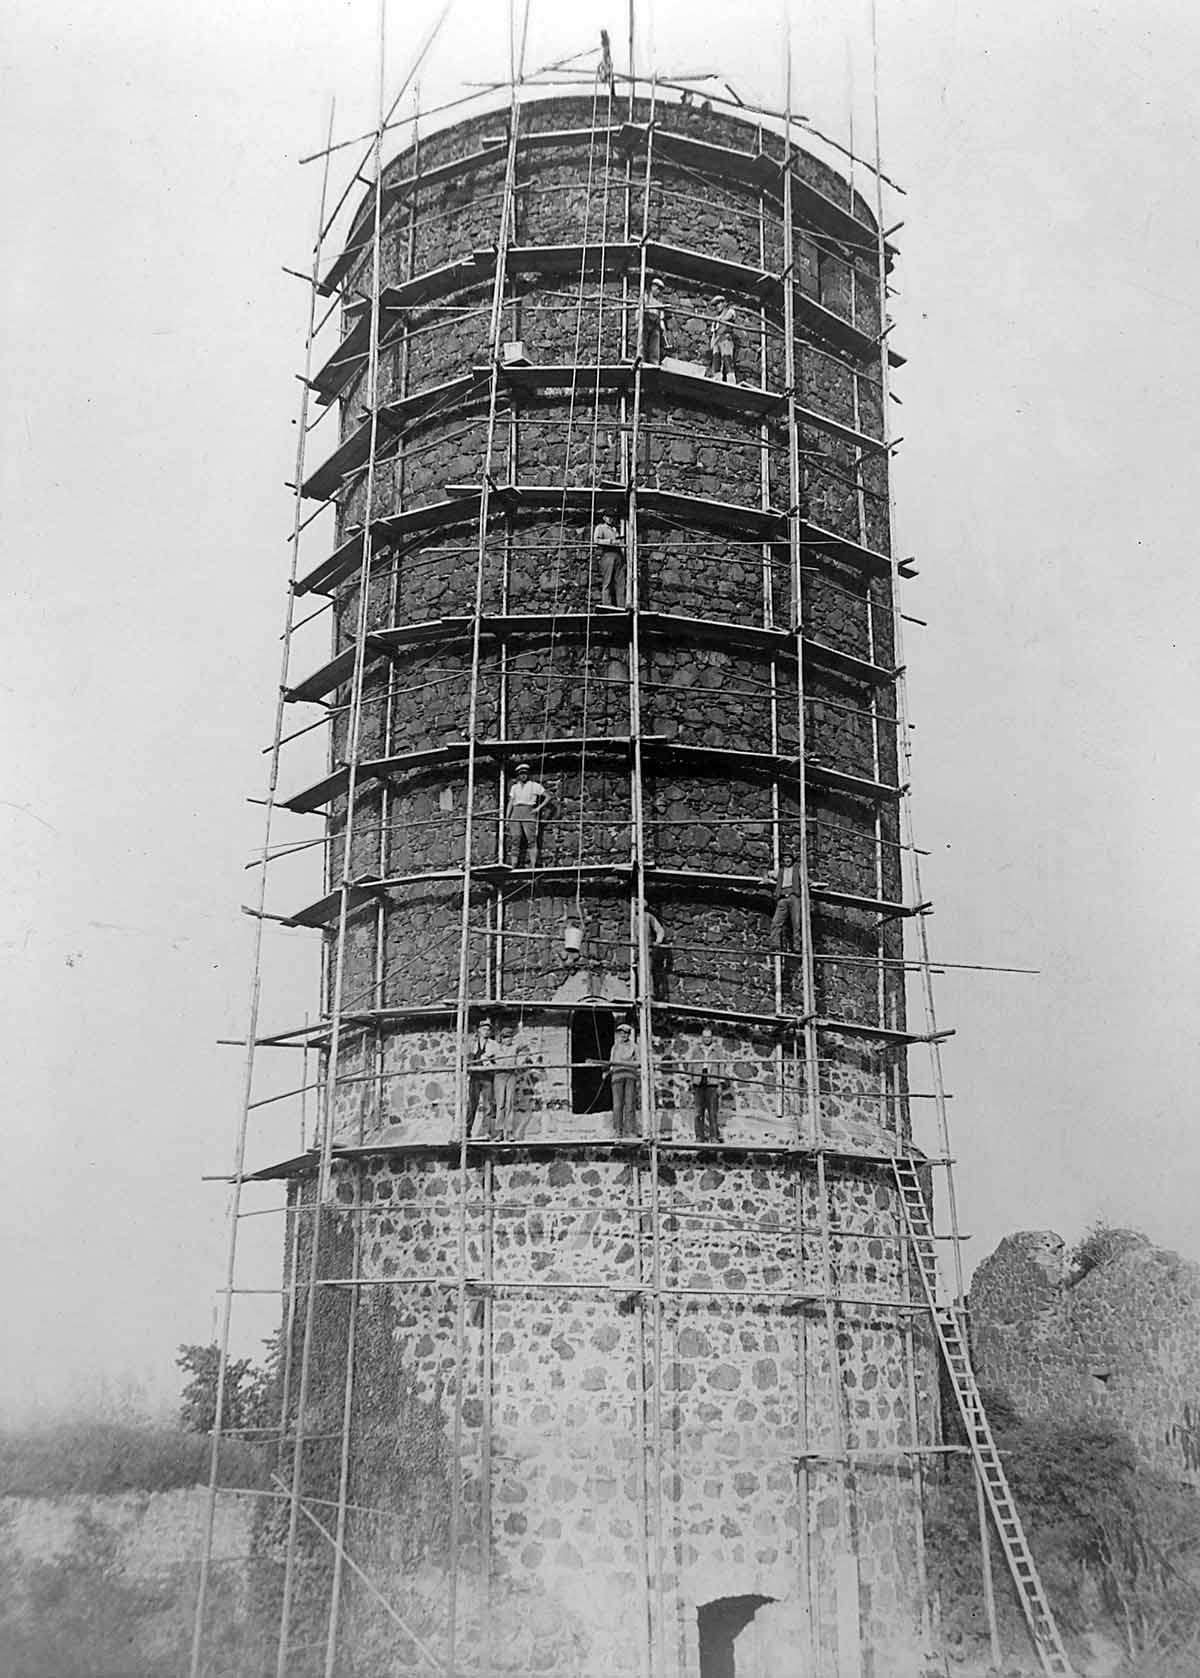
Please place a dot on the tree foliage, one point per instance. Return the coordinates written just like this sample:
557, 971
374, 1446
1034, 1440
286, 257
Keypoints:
1116, 1543
250, 1404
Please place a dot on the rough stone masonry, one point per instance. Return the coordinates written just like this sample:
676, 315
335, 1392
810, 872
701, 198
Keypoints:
611, 1413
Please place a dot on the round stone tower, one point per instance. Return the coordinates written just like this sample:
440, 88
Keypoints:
577, 1401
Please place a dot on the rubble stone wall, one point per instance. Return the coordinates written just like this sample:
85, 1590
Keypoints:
578, 1414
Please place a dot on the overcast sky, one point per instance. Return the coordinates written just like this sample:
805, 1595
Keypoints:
1046, 485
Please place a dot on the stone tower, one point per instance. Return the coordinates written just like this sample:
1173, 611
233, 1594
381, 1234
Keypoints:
580, 1403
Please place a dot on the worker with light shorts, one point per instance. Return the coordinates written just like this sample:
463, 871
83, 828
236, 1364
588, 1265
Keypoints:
526, 801
722, 342
623, 1069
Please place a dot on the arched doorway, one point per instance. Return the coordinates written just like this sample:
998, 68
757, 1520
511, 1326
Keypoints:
734, 1639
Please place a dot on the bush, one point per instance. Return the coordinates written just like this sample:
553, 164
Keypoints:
100, 1457
1101, 1241
1113, 1541
251, 1390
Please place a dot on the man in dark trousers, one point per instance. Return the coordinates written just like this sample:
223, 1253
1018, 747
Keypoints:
623, 1069
656, 340
789, 904
610, 554
706, 1068
481, 1076
527, 802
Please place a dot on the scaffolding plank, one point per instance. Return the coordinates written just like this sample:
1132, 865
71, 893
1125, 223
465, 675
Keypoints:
394, 417
838, 331
711, 393
320, 792
774, 763
762, 884
855, 900
395, 527
844, 433
678, 626
322, 681
418, 404
326, 910
664, 381
757, 169
474, 269
820, 540
394, 190
566, 376
717, 271
465, 272
847, 664
752, 168
537, 496
615, 257
861, 1028
859, 786
349, 455
479, 1150
398, 187
752, 522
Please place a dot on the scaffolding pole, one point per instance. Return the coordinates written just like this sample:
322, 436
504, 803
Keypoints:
256, 959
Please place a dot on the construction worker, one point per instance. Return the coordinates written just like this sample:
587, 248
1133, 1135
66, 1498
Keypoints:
656, 341
623, 1074
481, 1069
527, 800
605, 70
706, 1067
661, 956
510, 1058
722, 342
609, 547
789, 903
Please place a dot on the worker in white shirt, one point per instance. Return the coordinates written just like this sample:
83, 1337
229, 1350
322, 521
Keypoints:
511, 1057
527, 800
609, 546
722, 342
481, 1073
656, 340
706, 1068
789, 904
623, 1074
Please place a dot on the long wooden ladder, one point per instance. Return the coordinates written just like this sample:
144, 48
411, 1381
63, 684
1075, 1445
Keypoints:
1035, 1605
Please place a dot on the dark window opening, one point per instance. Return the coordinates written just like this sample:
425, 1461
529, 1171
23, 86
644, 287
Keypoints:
720, 1623
592, 1033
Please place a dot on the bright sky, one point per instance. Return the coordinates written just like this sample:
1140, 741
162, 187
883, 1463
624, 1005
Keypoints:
151, 194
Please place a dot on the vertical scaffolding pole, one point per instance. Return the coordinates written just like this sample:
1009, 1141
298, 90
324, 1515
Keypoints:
648, 1105
353, 751
808, 1001
259, 924
462, 1008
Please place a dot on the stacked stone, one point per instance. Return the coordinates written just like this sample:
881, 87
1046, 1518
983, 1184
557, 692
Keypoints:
642, 1388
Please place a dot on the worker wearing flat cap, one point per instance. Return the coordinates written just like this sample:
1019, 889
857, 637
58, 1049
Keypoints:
656, 340
722, 342
527, 800
623, 1075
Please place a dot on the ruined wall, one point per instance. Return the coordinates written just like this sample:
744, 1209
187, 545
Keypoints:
1121, 1341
